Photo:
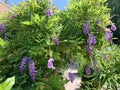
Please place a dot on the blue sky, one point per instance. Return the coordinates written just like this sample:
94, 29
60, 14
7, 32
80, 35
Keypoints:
60, 3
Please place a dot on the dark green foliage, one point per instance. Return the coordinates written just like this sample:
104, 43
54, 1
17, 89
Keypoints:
115, 17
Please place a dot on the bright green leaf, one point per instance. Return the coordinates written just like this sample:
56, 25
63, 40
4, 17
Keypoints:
7, 85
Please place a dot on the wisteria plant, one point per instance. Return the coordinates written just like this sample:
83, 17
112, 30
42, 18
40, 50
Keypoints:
41, 41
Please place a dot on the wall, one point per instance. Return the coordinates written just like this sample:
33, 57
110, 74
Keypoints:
4, 8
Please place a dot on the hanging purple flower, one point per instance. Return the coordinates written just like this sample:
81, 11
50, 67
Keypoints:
55, 40
89, 50
86, 28
49, 12
32, 70
2, 27
14, 16
108, 35
91, 40
50, 64
71, 77
22, 65
113, 27
88, 71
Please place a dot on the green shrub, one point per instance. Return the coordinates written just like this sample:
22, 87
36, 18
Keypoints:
97, 15
29, 32
36, 38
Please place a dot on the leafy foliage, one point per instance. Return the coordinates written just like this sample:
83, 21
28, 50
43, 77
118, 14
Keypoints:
33, 33
30, 34
73, 19
107, 75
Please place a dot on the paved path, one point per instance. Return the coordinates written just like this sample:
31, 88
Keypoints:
76, 83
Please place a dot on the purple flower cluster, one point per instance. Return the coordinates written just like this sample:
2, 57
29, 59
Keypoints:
71, 77
2, 27
49, 12
108, 35
50, 64
86, 28
14, 16
32, 70
88, 71
113, 27
22, 65
89, 50
91, 40
31, 63
55, 40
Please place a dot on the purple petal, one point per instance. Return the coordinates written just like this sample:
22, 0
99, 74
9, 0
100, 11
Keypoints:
2, 27
50, 64
113, 27
91, 40
71, 77
55, 40
49, 12
108, 35
22, 65
14, 16
88, 71
32, 70
89, 50
86, 28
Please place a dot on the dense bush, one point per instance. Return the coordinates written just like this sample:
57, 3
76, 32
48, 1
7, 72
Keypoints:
86, 22
36, 36
29, 31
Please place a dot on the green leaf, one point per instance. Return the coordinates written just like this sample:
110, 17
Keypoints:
26, 23
2, 42
7, 85
37, 18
